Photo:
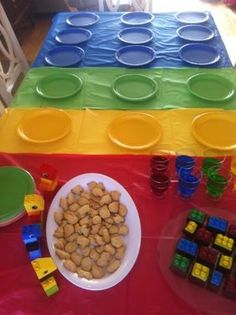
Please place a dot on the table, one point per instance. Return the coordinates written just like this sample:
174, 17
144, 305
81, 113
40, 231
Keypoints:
89, 132
97, 91
148, 288
100, 49
145, 290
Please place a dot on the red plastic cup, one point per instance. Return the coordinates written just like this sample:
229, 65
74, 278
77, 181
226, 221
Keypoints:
160, 183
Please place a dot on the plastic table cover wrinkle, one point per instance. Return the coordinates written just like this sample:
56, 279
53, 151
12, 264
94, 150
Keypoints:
100, 49
97, 89
89, 132
145, 290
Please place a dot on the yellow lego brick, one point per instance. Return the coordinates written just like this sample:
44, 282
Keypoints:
34, 204
49, 286
43, 266
224, 242
226, 262
191, 227
200, 272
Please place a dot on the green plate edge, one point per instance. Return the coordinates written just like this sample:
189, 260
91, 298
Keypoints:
31, 181
133, 99
73, 77
214, 76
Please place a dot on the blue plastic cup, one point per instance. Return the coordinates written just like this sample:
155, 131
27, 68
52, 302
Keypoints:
189, 180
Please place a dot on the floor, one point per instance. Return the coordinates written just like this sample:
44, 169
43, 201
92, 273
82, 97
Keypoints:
225, 19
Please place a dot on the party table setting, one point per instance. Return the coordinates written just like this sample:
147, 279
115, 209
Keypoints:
124, 130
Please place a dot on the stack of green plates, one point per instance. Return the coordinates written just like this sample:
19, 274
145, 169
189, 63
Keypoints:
15, 183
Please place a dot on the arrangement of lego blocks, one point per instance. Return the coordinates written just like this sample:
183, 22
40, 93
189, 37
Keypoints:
32, 233
205, 253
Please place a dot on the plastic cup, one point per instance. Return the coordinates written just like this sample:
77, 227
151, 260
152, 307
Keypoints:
185, 157
218, 179
160, 183
212, 158
189, 180
159, 161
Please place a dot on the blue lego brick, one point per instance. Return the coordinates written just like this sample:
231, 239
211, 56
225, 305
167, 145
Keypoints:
35, 254
216, 280
217, 224
33, 245
32, 231
187, 247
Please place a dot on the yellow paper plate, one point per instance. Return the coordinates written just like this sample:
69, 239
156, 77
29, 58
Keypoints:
215, 130
44, 126
135, 131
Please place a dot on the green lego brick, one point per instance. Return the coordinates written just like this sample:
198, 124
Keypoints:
196, 216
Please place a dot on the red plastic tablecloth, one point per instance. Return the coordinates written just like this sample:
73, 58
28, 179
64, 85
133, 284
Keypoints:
145, 290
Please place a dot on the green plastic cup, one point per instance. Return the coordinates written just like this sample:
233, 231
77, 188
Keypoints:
218, 179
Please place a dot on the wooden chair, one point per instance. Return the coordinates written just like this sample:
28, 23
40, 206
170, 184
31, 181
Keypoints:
13, 63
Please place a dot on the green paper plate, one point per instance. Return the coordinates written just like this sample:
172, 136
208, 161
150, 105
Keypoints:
134, 87
15, 183
56, 86
210, 87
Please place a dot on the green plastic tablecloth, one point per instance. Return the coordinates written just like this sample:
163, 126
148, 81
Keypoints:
97, 90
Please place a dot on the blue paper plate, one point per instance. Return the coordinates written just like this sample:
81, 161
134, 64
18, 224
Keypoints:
199, 54
73, 36
64, 56
82, 19
195, 33
136, 35
137, 18
192, 17
135, 56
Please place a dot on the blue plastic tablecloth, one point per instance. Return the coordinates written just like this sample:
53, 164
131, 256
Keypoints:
100, 49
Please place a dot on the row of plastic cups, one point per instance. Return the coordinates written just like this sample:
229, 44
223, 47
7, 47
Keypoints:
189, 176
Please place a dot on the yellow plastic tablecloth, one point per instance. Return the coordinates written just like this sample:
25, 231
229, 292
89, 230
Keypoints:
89, 132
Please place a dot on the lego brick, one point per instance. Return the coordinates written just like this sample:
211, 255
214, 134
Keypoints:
180, 264
43, 267
47, 184
48, 172
230, 288
31, 231
196, 216
224, 243
208, 256
232, 231
200, 273
32, 244
190, 228
203, 236
187, 248
217, 224
49, 286
225, 263
33, 204
216, 280
35, 254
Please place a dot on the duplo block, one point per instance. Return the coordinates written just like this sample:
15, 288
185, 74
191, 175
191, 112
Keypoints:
223, 243
216, 280
190, 229
196, 216
187, 248
217, 224
203, 236
208, 256
225, 263
180, 264
199, 274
